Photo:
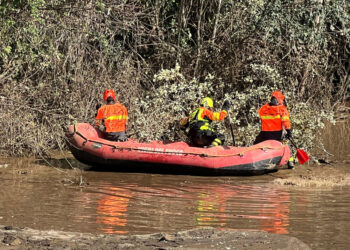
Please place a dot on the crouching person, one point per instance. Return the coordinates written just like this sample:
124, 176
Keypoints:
199, 122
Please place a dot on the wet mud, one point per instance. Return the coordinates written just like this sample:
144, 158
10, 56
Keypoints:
204, 238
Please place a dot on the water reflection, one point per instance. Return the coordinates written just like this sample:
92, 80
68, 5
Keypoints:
268, 206
112, 211
211, 208
133, 208
277, 210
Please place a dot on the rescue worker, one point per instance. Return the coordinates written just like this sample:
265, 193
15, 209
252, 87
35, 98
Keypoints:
199, 121
275, 120
112, 118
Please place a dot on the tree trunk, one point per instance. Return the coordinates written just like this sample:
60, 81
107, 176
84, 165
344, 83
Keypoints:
217, 16
199, 35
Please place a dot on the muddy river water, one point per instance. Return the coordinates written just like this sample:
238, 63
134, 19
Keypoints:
41, 195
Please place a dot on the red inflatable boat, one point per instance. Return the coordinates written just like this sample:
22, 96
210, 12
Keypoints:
88, 146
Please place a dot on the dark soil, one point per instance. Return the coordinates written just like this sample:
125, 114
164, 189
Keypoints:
204, 238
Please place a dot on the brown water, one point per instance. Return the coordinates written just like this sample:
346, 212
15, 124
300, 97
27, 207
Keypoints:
41, 197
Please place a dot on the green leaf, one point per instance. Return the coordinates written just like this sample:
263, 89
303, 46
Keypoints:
8, 50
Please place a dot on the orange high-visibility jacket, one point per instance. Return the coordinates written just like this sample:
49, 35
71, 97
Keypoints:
115, 117
274, 118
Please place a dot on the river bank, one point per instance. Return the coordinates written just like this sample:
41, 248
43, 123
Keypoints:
204, 238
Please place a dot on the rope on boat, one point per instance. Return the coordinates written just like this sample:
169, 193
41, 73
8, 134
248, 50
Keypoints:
114, 147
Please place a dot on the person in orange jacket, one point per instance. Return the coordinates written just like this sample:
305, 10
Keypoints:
274, 118
199, 121
112, 118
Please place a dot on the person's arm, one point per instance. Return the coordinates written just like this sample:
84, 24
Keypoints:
126, 116
218, 116
285, 118
286, 122
99, 119
215, 116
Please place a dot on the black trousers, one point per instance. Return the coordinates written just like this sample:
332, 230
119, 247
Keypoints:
268, 135
202, 138
117, 136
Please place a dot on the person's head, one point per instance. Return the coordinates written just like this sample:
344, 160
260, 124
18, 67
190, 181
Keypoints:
207, 102
109, 96
277, 98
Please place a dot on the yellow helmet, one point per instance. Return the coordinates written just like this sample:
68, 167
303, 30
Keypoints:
207, 102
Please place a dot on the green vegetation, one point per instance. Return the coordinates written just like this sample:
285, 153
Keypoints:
162, 57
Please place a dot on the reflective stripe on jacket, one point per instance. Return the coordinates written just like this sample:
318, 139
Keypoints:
202, 118
274, 118
115, 117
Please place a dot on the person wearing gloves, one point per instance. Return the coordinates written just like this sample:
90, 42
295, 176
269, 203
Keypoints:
274, 118
199, 122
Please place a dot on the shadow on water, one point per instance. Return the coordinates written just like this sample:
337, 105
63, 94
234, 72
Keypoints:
136, 167
64, 163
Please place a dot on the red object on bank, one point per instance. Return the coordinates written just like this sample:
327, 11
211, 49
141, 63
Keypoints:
301, 154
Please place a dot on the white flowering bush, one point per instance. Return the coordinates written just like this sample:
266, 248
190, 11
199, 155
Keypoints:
159, 111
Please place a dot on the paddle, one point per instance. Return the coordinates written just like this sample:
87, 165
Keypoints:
233, 136
301, 154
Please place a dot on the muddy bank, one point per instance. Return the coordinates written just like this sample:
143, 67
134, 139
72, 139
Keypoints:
320, 176
205, 238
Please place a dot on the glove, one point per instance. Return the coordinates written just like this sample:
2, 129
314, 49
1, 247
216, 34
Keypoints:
226, 105
98, 105
289, 133
184, 123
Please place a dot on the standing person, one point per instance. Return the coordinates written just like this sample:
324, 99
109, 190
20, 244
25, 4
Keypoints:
112, 118
199, 121
274, 118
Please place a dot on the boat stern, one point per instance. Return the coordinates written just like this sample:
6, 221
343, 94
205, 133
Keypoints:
286, 155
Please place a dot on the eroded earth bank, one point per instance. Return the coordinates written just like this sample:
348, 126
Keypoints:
204, 238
